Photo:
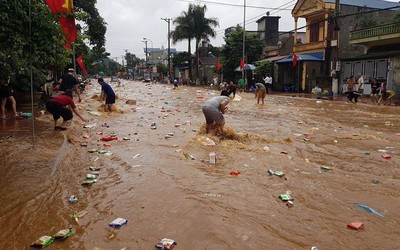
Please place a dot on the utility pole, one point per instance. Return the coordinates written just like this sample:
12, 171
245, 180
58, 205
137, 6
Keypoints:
145, 42
168, 20
244, 39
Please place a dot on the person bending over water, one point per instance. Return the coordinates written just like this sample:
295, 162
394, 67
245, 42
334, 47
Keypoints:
214, 110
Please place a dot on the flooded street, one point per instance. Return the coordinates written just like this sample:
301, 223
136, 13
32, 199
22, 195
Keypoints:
161, 180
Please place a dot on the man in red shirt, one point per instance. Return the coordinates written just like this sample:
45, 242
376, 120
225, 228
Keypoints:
57, 106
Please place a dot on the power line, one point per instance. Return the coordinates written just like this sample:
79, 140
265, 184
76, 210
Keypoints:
287, 4
235, 5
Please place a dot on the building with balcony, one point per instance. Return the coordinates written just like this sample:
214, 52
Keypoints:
327, 47
381, 57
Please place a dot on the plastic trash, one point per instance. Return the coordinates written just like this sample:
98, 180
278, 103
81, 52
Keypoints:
206, 141
43, 241
326, 169
387, 156
110, 138
375, 181
73, 199
166, 244
26, 115
90, 176
89, 182
286, 197
212, 158
235, 173
62, 234
369, 210
355, 225
118, 222
136, 156
89, 125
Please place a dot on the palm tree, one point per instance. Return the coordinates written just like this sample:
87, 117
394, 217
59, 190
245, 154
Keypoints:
193, 24
183, 31
202, 29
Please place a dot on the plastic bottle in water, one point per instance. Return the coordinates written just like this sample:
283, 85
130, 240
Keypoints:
212, 157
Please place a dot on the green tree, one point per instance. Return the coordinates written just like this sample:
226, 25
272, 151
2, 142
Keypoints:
92, 26
232, 51
202, 29
21, 51
43, 48
132, 60
193, 24
183, 31
162, 68
264, 68
181, 58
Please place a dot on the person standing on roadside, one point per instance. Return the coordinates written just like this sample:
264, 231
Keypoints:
360, 84
6, 95
108, 94
383, 88
62, 106
268, 83
260, 93
214, 110
351, 85
68, 81
374, 90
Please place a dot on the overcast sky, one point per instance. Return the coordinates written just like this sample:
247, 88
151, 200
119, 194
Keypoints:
128, 21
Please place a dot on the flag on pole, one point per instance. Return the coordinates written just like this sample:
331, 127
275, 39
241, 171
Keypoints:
219, 66
64, 10
294, 59
81, 64
241, 63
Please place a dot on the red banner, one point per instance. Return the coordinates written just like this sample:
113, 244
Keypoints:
219, 66
294, 60
241, 63
64, 9
81, 64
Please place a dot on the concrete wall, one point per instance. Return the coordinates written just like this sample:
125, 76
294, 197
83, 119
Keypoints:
349, 23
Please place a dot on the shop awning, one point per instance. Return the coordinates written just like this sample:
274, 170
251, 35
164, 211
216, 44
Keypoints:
318, 56
271, 59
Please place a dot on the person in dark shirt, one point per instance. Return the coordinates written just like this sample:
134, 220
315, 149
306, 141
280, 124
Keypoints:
68, 81
6, 94
231, 89
62, 106
108, 93
374, 90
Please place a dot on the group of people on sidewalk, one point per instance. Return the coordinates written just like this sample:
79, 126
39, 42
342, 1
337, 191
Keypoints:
379, 92
63, 104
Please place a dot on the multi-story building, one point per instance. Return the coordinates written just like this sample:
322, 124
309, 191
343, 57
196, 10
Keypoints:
326, 55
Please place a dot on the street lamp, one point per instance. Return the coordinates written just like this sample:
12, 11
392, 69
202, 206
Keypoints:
145, 41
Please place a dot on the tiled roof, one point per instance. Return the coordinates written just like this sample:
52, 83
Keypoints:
374, 4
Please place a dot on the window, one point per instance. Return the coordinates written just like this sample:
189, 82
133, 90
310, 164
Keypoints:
314, 32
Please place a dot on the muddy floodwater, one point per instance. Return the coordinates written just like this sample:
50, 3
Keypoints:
334, 155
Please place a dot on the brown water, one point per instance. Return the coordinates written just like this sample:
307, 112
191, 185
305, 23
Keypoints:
164, 193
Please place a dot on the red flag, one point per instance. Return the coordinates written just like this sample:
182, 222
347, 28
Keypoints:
241, 63
79, 60
219, 66
64, 10
294, 60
